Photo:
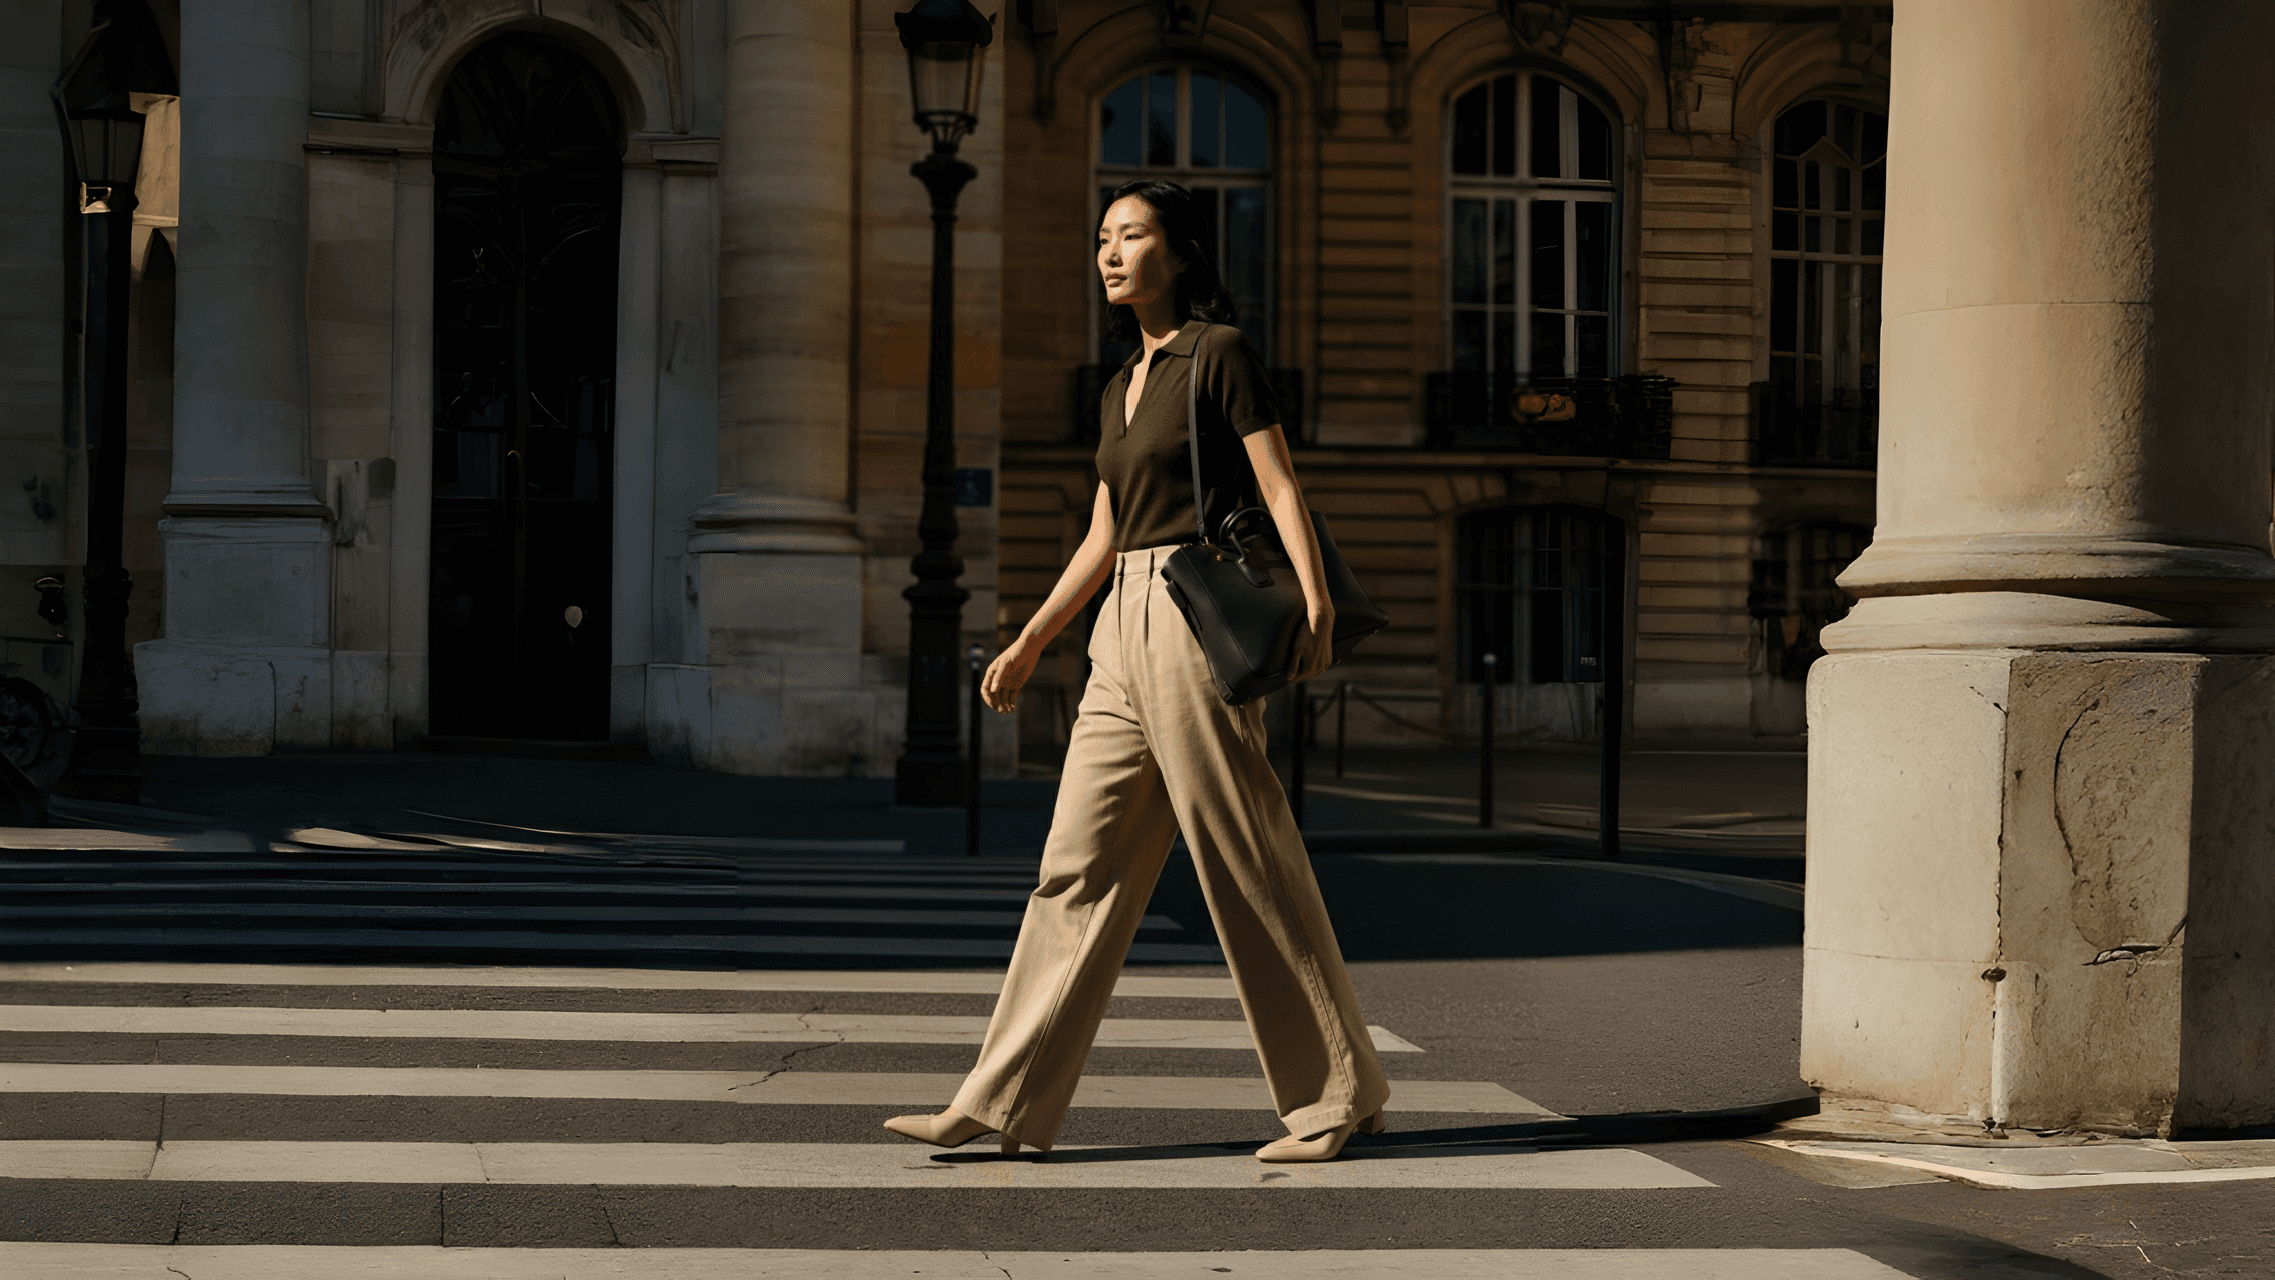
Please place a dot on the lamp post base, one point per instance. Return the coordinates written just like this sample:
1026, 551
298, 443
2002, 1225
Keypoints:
106, 764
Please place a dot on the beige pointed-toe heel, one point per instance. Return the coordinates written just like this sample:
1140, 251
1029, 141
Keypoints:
947, 1128
1319, 1146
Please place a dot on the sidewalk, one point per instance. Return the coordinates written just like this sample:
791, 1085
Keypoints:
1724, 811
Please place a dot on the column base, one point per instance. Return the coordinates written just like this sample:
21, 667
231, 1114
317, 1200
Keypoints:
214, 698
2042, 887
783, 688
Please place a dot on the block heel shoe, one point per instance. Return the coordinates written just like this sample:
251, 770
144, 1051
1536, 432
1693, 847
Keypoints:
1319, 1146
947, 1128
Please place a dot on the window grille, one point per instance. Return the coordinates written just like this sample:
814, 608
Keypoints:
1533, 214
1828, 194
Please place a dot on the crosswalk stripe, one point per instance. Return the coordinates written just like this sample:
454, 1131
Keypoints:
434, 1262
790, 1088
495, 1024
307, 891
900, 1166
911, 982
461, 939
518, 912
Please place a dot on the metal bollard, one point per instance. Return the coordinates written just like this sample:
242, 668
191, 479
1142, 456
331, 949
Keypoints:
1485, 747
972, 762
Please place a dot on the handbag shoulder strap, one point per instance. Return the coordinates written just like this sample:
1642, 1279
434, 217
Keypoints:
1193, 434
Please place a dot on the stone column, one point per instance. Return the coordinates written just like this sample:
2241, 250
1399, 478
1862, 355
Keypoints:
244, 664
776, 566
2041, 839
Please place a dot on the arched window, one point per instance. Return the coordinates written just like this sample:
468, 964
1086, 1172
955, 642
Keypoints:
1828, 191
1211, 134
1794, 597
1534, 213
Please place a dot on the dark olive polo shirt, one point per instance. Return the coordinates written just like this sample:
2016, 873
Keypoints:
1145, 463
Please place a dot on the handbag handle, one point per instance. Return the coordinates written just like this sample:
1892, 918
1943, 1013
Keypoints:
1193, 436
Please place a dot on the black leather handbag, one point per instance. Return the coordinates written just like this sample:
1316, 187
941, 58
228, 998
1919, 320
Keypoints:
1242, 598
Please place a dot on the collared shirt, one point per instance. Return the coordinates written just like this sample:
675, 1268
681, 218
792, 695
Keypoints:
1144, 461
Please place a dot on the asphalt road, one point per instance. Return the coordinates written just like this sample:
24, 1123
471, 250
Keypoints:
1647, 1026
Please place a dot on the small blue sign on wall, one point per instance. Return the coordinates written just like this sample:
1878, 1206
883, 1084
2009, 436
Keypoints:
975, 487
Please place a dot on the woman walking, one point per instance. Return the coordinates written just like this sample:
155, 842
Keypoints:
1155, 750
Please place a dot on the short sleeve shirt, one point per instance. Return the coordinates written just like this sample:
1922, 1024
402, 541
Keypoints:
1144, 461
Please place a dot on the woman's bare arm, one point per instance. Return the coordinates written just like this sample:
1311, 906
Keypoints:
1093, 560
1276, 484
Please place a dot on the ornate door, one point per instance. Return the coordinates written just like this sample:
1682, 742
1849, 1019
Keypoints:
528, 175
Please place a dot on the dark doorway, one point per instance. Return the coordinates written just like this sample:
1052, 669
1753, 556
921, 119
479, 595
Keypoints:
528, 167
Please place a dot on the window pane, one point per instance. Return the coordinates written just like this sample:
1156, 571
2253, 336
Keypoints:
1844, 129
1875, 187
1118, 122
1872, 236
1813, 234
1812, 188
1869, 335
1470, 252
1840, 235
1840, 188
1784, 230
1593, 359
1246, 143
1505, 126
1246, 220
1469, 340
1594, 255
1875, 143
1812, 308
1207, 92
1547, 128
1504, 350
1784, 285
1469, 131
1786, 186
1504, 251
1547, 344
1798, 128
1161, 119
1547, 257
1595, 142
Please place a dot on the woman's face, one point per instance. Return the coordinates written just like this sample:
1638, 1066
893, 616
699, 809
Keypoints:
1134, 259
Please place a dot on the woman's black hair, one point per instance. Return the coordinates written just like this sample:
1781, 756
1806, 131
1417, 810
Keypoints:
1201, 294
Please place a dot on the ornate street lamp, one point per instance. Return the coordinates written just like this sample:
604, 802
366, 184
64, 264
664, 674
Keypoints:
944, 39
105, 135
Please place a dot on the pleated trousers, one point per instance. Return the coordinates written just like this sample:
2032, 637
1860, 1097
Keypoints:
1155, 751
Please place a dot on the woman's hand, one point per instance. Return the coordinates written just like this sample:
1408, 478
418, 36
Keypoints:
1315, 648
1008, 674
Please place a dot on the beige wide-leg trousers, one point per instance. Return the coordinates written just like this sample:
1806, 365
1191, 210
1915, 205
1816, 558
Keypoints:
1155, 751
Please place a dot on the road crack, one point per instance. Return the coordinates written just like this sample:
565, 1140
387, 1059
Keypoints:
825, 1039
997, 1265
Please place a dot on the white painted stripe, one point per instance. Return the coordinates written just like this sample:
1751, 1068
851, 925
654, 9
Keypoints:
503, 911
910, 982
458, 940
2000, 1179
431, 1262
710, 842
670, 1028
898, 1166
190, 894
790, 1088
1777, 893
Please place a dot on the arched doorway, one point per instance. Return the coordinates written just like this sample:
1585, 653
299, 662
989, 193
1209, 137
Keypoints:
528, 166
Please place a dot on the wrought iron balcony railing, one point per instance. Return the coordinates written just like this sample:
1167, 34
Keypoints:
1631, 416
1842, 432
1090, 386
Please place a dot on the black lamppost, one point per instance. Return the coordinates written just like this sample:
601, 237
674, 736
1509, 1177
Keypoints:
105, 133
944, 39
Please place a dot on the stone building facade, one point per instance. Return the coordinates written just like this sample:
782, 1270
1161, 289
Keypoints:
680, 512
1406, 297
